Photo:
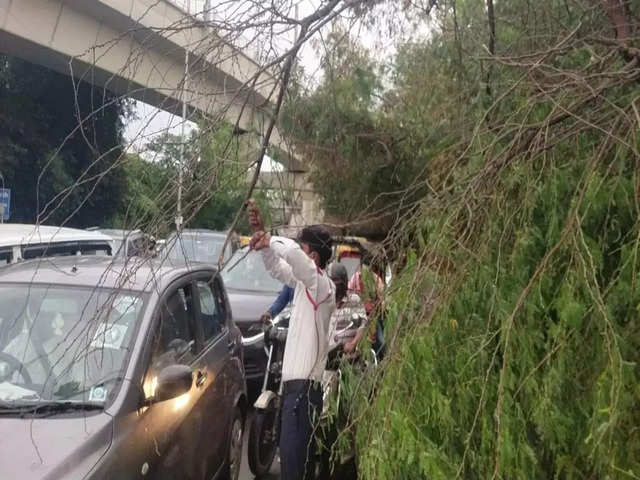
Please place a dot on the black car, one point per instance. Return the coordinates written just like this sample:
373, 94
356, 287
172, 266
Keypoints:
118, 371
251, 291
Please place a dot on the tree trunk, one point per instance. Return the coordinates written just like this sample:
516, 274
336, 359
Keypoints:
618, 15
492, 41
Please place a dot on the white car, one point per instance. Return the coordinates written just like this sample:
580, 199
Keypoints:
21, 242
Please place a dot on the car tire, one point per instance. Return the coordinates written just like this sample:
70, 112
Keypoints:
234, 452
262, 452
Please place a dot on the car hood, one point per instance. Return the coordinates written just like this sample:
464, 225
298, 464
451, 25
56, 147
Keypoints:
55, 448
247, 305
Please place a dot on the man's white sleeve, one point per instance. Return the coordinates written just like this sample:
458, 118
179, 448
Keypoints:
278, 268
300, 266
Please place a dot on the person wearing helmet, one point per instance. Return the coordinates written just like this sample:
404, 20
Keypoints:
348, 304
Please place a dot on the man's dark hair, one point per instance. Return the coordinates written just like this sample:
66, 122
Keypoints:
319, 240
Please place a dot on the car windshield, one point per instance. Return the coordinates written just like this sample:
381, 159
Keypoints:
249, 273
197, 247
60, 343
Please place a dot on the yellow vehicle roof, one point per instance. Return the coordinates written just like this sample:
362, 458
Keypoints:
344, 248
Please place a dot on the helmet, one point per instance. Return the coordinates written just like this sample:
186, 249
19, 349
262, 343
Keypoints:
338, 273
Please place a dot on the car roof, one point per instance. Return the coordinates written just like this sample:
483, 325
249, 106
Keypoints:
199, 231
100, 271
118, 233
25, 234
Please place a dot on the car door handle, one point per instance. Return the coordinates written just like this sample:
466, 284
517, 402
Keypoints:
201, 378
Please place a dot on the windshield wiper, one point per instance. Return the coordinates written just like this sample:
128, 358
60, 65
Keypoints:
38, 408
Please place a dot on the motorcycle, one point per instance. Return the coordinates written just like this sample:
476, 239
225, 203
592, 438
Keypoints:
264, 433
332, 415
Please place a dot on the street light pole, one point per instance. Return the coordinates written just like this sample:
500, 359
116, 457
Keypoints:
207, 12
182, 133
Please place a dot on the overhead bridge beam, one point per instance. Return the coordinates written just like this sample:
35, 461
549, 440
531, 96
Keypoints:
137, 48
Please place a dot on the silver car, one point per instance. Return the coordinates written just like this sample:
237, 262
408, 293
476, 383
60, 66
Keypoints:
114, 370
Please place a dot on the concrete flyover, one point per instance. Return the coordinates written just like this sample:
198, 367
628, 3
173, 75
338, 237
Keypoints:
293, 199
137, 48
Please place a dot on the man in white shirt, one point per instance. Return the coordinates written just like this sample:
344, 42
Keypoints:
301, 266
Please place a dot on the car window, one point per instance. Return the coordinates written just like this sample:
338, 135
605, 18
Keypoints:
198, 247
210, 314
246, 271
65, 249
116, 246
49, 250
174, 341
351, 263
6, 256
220, 300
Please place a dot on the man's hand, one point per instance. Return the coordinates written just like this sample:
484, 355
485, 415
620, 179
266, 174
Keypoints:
255, 217
350, 346
265, 317
260, 240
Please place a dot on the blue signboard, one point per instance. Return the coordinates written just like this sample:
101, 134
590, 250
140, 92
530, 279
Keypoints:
5, 203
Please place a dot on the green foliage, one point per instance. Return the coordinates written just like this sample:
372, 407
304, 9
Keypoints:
59, 173
349, 141
513, 326
568, 405
214, 183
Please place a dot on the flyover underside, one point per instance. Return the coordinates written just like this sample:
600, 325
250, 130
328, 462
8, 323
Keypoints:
137, 48
81, 71
152, 70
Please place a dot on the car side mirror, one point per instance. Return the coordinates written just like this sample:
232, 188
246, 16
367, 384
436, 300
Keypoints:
173, 381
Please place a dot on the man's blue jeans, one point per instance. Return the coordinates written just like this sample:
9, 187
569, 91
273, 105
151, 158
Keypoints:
300, 414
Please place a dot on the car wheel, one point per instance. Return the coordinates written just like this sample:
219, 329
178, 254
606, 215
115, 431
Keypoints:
234, 458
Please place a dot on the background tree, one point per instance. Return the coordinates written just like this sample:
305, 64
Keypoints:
59, 172
513, 327
214, 167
